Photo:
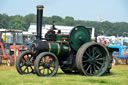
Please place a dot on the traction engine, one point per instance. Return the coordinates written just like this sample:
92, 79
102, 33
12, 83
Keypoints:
73, 53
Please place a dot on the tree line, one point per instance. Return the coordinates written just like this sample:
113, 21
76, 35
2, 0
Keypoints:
101, 28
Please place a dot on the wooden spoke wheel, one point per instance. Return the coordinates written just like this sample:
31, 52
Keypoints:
24, 63
92, 59
46, 64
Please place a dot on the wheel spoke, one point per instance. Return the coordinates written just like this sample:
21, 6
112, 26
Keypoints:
99, 63
23, 60
93, 52
97, 67
87, 54
85, 57
51, 70
94, 68
31, 67
25, 69
100, 59
47, 71
85, 61
98, 56
88, 68
44, 71
31, 58
89, 50
84, 65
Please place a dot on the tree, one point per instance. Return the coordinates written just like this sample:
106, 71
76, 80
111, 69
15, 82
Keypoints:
28, 19
4, 21
23, 23
69, 21
17, 22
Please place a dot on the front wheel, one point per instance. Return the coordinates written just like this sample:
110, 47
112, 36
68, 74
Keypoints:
46, 64
24, 63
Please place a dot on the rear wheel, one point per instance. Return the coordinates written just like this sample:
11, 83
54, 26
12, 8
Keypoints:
92, 59
46, 64
24, 63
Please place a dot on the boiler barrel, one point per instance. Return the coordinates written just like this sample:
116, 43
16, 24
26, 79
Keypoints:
59, 50
44, 46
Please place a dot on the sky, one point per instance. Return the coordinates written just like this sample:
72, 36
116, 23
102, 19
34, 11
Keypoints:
89, 10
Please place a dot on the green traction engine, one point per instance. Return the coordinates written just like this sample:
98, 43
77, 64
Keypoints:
73, 53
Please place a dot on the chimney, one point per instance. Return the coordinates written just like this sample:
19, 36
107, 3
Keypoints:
39, 21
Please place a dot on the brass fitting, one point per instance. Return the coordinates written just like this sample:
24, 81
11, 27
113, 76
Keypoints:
40, 7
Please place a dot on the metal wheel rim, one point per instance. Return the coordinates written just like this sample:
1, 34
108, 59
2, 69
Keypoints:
47, 65
25, 63
93, 60
82, 59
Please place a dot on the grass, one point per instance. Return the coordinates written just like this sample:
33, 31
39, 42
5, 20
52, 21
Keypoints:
9, 76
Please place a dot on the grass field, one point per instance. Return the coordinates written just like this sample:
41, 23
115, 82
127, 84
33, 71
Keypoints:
118, 76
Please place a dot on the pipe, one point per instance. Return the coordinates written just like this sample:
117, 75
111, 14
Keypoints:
39, 21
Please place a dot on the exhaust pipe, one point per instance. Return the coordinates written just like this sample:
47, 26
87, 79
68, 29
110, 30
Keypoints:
39, 21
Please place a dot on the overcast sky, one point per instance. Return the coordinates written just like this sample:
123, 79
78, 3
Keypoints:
110, 10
